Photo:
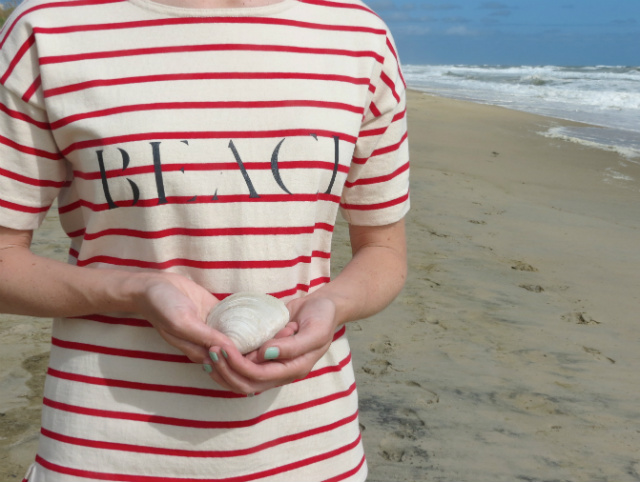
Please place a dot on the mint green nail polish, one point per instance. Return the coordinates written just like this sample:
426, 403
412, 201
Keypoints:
271, 353
207, 368
224, 353
214, 356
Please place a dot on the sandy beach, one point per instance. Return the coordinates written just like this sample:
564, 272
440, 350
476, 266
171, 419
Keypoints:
512, 353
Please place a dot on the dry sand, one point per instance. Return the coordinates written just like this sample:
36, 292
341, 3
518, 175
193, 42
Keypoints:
513, 353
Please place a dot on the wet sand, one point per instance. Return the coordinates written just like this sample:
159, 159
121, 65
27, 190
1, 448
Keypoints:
512, 353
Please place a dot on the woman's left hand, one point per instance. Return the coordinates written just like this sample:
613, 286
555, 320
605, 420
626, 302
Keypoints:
288, 357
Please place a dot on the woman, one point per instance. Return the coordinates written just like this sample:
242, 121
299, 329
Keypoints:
198, 148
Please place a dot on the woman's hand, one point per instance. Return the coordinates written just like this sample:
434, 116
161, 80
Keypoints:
177, 308
288, 357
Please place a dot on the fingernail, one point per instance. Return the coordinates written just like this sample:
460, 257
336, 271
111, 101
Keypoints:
224, 353
271, 353
214, 356
207, 368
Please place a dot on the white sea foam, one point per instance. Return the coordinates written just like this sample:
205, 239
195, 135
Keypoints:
605, 96
625, 143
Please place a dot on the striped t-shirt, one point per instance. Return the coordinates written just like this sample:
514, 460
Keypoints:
214, 143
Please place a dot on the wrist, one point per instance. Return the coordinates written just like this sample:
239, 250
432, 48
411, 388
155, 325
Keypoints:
344, 307
128, 289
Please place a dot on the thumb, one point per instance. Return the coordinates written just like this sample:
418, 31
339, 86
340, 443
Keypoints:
309, 337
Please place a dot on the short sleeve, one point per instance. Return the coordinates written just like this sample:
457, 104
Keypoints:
376, 191
32, 171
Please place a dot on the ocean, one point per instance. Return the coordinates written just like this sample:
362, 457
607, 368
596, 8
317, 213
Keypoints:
605, 97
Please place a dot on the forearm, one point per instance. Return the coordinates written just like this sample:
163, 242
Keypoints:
373, 277
37, 286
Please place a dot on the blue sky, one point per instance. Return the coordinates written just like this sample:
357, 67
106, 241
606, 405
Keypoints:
514, 32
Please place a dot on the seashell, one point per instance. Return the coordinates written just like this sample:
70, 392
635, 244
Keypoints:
249, 319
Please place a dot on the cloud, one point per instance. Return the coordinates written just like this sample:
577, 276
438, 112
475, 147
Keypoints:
379, 5
415, 29
494, 6
497, 9
460, 30
440, 6
456, 20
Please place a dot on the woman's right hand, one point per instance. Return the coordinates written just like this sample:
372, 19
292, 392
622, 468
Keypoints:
177, 307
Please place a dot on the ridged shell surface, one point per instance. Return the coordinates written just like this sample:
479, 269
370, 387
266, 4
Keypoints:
249, 319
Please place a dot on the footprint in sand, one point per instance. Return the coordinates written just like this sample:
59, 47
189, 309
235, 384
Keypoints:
597, 354
383, 347
532, 288
522, 266
377, 367
401, 445
580, 318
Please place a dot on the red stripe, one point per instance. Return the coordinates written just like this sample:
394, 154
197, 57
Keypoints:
18, 57
149, 387
395, 54
241, 478
32, 89
302, 287
198, 424
112, 320
379, 179
382, 150
247, 231
381, 130
23, 209
136, 322
205, 76
374, 110
391, 148
145, 136
211, 167
77, 234
27, 180
23, 117
207, 105
105, 350
181, 390
63, 4
372, 207
325, 3
57, 59
143, 449
30, 150
140, 323
385, 78
328, 369
348, 473
235, 198
206, 20
192, 263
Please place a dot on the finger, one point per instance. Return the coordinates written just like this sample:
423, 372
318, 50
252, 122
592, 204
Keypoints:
290, 329
230, 377
310, 337
268, 374
197, 333
195, 353
211, 368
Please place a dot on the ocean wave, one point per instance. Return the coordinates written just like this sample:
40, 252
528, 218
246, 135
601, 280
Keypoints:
601, 95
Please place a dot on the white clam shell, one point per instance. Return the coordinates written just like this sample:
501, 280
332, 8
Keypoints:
249, 319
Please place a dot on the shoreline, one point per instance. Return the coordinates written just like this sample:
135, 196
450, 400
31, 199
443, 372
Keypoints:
511, 354
585, 133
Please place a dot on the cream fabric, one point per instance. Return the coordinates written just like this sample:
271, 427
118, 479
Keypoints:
218, 144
